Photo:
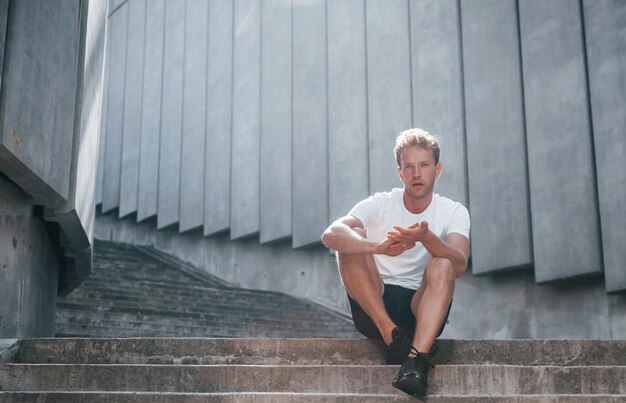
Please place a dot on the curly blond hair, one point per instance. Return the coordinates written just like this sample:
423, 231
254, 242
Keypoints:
419, 138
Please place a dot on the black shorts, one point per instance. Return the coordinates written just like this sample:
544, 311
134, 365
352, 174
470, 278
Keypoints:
398, 305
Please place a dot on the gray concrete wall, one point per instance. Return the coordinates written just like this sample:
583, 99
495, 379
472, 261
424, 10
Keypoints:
50, 116
563, 196
29, 268
348, 179
276, 125
303, 101
246, 115
52, 83
605, 27
310, 123
219, 118
496, 137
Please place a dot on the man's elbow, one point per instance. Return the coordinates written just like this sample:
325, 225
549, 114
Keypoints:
327, 237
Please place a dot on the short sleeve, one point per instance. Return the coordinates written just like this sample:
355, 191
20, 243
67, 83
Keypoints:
367, 210
459, 221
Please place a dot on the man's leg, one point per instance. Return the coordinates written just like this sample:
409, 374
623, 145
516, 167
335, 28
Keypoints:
364, 285
431, 301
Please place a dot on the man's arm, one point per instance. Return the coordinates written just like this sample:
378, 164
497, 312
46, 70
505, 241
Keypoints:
455, 248
347, 235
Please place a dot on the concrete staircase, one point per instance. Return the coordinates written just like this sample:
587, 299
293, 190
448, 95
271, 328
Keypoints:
305, 370
141, 292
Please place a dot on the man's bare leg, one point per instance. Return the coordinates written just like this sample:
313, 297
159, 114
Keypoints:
364, 285
431, 301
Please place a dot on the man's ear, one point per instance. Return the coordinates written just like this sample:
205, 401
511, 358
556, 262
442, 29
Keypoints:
438, 169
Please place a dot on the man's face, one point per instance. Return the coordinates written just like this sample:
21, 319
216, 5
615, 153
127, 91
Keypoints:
418, 171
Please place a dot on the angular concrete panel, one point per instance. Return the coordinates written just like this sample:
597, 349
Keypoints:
244, 218
275, 214
310, 122
496, 142
171, 114
87, 144
605, 26
4, 14
118, 28
347, 106
133, 99
151, 110
438, 88
102, 135
388, 87
194, 116
564, 210
42, 50
219, 118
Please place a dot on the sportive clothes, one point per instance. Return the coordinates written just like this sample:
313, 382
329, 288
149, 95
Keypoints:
381, 212
398, 305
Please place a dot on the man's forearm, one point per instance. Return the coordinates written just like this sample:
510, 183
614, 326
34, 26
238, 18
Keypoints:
345, 239
439, 248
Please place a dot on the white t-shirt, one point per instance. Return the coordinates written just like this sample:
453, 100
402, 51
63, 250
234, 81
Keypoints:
379, 214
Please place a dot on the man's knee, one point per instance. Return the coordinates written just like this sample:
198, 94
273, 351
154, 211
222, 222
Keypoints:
440, 271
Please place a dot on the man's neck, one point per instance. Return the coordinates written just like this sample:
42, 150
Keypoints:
416, 206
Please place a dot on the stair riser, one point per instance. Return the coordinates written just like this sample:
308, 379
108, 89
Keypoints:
137, 397
320, 351
449, 380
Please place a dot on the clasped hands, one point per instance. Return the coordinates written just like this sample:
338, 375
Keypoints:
402, 239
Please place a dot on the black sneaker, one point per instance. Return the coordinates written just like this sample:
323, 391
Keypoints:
413, 376
400, 346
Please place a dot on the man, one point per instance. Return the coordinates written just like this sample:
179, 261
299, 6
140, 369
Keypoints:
399, 253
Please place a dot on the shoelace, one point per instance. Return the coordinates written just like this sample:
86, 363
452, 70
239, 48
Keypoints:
423, 356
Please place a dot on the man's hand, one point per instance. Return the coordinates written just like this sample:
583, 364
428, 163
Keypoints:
413, 233
391, 247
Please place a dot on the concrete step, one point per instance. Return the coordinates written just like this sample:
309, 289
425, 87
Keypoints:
158, 397
164, 328
185, 303
162, 320
319, 351
493, 380
167, 308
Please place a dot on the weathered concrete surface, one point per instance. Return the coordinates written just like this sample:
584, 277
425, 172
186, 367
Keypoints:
133, 99
151, 110
219, 118
118, 28
348, 180
244, 210
309, 351
273, 397
4, 13
310, 123
388, 87
36, 147
87, 145
29, 268
496, 140
194, 116
437, 87
564, 207
168, 204
276, 122
605, 29
446, 379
